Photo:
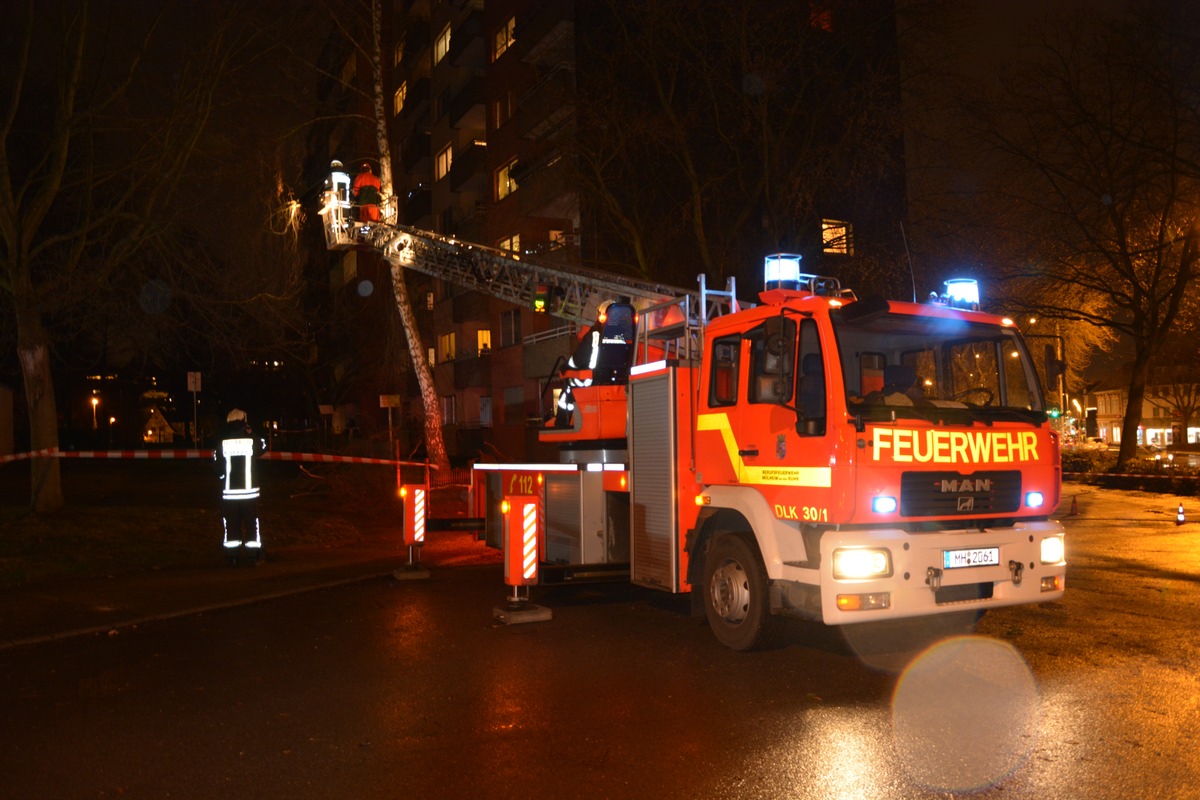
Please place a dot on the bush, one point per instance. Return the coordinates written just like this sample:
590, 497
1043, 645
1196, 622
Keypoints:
1088, 460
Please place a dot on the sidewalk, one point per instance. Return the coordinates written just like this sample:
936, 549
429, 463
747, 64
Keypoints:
48, 611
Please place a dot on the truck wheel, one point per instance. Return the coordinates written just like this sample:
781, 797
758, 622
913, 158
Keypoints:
735, 594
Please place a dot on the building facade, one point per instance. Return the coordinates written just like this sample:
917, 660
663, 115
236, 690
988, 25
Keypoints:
497, 113
1162, 425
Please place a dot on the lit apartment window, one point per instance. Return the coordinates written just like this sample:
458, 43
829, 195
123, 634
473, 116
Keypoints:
429, 301
398, 53
557, 240
446, 346
504, 38
398, 98
441, 45
502, 110
505, 185
837, 236
511, 244
444, 157
432, 356
483, 340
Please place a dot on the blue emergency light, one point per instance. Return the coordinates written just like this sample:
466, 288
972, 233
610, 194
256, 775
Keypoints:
960, 293
963, 292
781, 271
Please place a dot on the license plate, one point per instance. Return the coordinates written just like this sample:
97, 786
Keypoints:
975, 557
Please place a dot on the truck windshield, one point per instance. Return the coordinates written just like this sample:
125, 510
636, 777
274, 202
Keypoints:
903, 365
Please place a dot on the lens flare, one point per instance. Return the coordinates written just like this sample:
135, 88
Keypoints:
965, 714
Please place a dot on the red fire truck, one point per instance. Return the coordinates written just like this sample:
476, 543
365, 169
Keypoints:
814, 456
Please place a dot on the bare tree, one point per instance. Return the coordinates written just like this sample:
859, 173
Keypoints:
435, 446
709, 136
86, 176
370, 48
1174, 381
1089, 180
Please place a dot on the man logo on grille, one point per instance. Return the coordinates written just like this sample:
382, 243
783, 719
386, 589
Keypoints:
966, 503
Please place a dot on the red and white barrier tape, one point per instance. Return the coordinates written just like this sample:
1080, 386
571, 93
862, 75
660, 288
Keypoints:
320, 458
49, 451
150, 454
324, 459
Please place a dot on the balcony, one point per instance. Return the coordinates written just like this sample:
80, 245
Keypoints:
416, 45
547, 188
466, 42
473, 371
548, 105
416, 100
415, 152
546, 35
467, 107
468, 171
469, 307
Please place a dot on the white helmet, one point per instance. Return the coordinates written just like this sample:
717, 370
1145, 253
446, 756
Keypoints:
235, 415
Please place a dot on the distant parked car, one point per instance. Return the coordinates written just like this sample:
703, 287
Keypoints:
1094, 443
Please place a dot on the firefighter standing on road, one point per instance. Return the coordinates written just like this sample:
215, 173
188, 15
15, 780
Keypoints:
366, 194
239, 491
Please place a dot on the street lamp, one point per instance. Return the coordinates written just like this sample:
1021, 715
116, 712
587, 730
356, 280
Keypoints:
95, 402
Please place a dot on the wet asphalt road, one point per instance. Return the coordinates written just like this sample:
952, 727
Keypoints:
410, 689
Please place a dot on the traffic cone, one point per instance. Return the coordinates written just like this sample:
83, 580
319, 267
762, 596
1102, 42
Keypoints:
1179, 520
1074, 506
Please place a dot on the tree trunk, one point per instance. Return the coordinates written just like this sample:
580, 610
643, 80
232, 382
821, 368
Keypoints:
391, 209
435, 445
1133, 409
46, 495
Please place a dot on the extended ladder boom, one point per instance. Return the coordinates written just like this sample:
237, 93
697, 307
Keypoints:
574, 293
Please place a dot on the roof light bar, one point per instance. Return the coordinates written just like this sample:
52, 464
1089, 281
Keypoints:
960, 293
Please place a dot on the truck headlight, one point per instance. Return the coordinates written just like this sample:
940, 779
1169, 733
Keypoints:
860, 563
1053, 550
1034, 499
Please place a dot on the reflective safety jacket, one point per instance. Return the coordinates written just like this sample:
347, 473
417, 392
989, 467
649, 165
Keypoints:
238, 451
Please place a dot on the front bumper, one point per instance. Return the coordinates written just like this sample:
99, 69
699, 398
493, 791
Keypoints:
920, 582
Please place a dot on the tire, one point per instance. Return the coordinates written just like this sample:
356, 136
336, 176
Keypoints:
736, 598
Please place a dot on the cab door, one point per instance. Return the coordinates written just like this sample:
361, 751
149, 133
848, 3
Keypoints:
781, 427
717, 456
767, 415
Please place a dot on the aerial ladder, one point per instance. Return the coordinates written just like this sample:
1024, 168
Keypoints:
575, 293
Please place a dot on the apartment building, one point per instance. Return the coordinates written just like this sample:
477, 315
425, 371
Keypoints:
484, 121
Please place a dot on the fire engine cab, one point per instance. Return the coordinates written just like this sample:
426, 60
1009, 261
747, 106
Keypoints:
814, 456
